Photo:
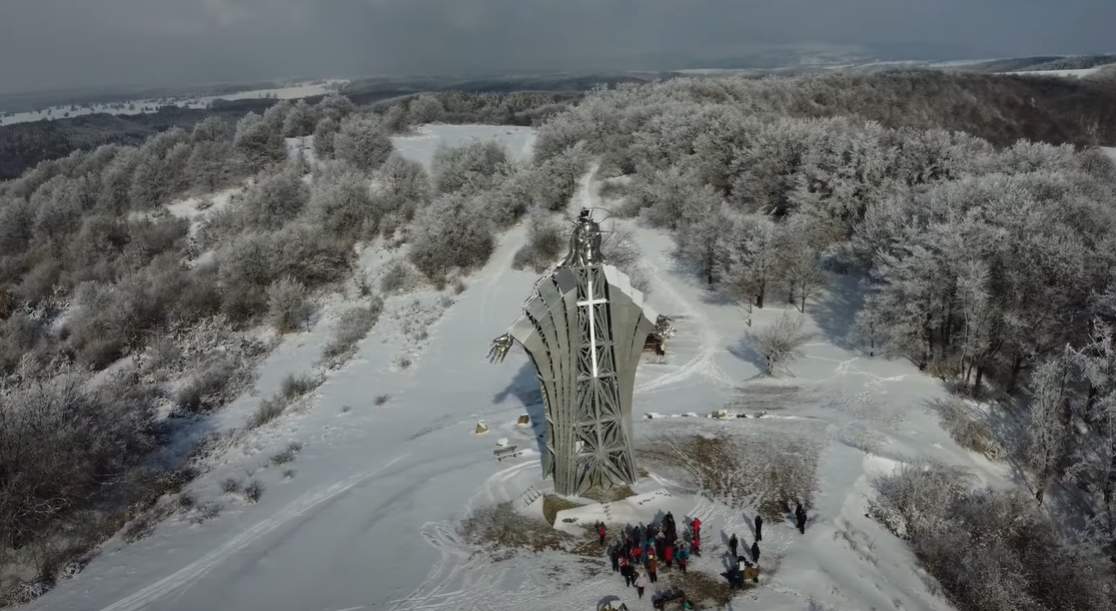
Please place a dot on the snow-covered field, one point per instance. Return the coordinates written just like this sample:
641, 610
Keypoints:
420, 146
367, 518
1078, 73
134, 107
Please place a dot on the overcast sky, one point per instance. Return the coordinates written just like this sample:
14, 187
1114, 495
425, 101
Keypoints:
63, 43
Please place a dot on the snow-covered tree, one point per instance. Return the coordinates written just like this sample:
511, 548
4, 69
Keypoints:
426, 108
703, 233
300, 120
259, 141
361, 141
752, 257
1047, 424
472, 167
324, 132
341, 203
276, 199
779, 343
335, 107
450, 232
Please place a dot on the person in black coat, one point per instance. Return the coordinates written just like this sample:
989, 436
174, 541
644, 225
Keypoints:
800, 518
733, 543
755, 551
759, 528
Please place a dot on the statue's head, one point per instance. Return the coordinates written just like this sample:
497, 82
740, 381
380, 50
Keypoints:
585, 242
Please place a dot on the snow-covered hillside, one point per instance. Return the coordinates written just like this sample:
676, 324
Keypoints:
388, 463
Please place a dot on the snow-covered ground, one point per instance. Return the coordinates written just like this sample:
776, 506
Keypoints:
1078, 73
1111, 150
134, 107
420, 146
367, 518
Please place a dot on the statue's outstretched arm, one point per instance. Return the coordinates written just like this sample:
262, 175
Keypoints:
500, 347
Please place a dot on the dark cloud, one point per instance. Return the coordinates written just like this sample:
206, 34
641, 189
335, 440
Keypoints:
58, 43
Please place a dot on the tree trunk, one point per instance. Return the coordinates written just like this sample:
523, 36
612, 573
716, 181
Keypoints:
759, 296
1016, 367
803, 308
976, 382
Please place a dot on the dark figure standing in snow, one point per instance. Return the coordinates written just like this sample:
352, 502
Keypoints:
601, 531
614, 556
755, 551
759, 528
800, 518
733, 543
626, 571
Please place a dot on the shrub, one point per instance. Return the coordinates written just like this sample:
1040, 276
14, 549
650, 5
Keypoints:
451, 232
230, 485
286, 455
287, 305
259, 141
295, 386
361, 142
1021, 559
276, 199
253, 491
341, 203
969, 430
472, 165
268, 410
395, 278
353, 326
779, 343
324, 133
207, 389
544, 244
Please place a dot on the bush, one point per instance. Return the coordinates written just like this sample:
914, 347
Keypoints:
230, 485
63, 447
276, 199
207, 389
361, 142
969, 430
472, 165
324, 133
268, 410
287, 305
341, 203
779, 343
991, 549
395, 279
451, 232
295, 386
253, 491
353, 326
544, 244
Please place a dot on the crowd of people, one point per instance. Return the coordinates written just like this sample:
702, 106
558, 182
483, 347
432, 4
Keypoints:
639, 552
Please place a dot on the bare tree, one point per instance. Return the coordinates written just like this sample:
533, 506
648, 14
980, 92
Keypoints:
779, 343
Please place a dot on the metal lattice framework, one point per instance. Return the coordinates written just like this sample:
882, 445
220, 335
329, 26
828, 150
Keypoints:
584, 329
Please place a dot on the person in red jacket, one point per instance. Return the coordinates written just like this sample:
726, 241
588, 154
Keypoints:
695, 526
668, 555
601, 532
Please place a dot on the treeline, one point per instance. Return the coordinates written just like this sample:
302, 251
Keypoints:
990, 266
92, 270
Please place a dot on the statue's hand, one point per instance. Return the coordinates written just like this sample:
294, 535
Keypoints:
500, 347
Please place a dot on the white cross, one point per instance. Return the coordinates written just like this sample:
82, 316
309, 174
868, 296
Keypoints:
592, 319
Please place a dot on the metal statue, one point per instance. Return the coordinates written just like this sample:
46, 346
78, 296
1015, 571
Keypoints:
584, 329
